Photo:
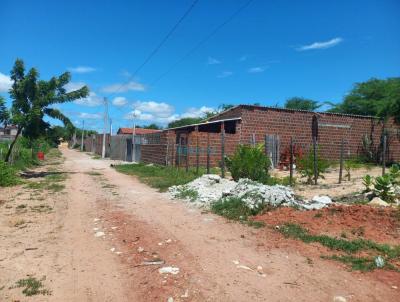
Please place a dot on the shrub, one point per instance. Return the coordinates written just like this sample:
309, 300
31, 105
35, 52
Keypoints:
394, 174
367, 182
249, 162
8, 175
306, 166
383, 188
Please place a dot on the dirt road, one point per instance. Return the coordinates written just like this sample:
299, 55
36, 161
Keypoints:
107, 232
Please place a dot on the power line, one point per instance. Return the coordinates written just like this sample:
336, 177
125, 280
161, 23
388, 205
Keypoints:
203, 41
158, 47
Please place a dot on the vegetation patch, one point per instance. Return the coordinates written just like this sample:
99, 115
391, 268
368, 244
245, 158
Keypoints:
8, 175
32, 286
94, 173
187, 193
349, 247
160, 177
235, 208
42, 208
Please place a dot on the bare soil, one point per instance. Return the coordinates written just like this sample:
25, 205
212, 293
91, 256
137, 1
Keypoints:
217, 259
330, 184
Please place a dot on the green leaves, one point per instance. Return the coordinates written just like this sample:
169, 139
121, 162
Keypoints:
249, 162
302, 104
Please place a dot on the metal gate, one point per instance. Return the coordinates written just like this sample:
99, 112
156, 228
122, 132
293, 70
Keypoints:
129, 149
272, 143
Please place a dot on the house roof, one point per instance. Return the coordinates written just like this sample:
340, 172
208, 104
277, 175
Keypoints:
138, 131
252, 107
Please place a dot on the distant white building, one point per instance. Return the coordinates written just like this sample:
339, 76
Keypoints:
8, 133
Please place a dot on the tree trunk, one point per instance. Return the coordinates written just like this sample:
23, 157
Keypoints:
12, 145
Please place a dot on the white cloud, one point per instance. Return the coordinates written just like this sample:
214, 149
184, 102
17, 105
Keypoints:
213, 61
5, 82
162, 113
81, 69
197, 112
130, 86
158, 109
92, 100
72, 86
119, 101
321, 45
93, 116
225, 74
257, 69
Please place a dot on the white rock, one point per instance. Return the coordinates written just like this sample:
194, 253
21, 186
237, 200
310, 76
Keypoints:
377, 202
379, 261
169, 270
322, 199
140, 249
99, 234
170, 299
339, 299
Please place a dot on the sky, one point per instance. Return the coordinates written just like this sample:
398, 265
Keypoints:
268, 52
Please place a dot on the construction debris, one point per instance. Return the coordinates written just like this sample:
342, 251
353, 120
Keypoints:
169, 270
207, 189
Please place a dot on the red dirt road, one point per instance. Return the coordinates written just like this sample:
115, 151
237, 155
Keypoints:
141, 224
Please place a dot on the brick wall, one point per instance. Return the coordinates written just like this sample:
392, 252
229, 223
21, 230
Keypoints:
284, 123
332, 128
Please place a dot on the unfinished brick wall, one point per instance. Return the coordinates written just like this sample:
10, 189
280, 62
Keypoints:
284, 123
332, 128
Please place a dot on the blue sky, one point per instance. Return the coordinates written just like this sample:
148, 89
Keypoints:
269, 52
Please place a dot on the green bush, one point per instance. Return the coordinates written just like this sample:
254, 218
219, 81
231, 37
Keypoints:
383, 188
367, 182
305, 166
249, 162
8, 176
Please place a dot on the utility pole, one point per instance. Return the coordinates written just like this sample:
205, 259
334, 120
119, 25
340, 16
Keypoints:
110, 127
103, 151
83, 133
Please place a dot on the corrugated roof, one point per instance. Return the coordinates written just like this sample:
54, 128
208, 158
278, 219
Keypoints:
206, 123
138, 131
293, 110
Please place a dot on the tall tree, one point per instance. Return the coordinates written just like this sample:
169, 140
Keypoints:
302, 104
33, 98
4, 113
374, 97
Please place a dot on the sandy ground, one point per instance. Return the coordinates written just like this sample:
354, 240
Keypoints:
330, 184
217, 260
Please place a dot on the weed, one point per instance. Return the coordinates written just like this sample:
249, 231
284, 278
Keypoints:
21, 206
255, 224
363, 264
186, 193
55, 187
360, 231
318, 215
96, 156
160, 177
295, 231
32, 286
343, 235
8, 176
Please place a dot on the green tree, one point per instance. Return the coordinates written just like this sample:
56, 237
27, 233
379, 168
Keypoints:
152, 126
184, 121
4, 113
33, 98
301, 104
375, 97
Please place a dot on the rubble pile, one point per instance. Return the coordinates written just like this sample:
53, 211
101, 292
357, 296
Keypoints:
210, 188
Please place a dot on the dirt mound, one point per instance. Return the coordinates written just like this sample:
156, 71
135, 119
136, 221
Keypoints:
378, 224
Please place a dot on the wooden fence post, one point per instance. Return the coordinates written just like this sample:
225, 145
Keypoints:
291, 162
341, 161
187, 152
197, 150
384, 155
315, 160
222, 150
208, 152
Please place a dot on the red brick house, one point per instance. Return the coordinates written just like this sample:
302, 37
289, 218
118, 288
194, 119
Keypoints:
138, 131
246, 124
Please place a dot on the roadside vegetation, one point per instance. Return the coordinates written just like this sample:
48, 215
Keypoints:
161, 177
32, 286
376, 255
